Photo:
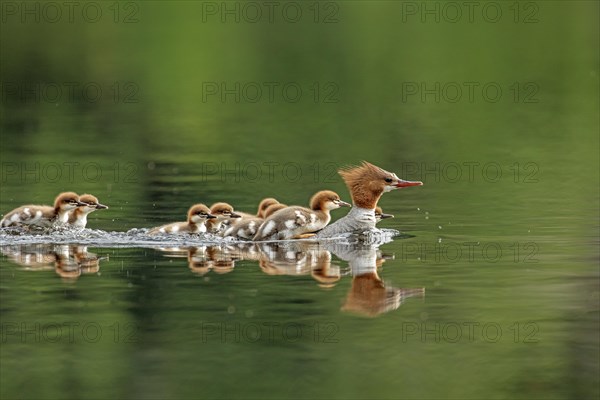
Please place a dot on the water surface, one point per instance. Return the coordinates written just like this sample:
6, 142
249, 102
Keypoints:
489, 291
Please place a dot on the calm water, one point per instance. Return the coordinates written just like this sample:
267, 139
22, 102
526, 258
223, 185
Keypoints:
490, 291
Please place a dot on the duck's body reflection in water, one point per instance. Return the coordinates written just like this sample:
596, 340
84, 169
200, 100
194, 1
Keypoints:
68, 261
368, 296
202, 259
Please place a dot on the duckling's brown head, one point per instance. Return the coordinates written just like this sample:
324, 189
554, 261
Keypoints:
272, 209
68, 201
264, 204
199, 213
223, 211
326, 200
92, 203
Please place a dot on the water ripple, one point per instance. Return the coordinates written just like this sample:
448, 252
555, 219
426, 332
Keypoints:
139, 237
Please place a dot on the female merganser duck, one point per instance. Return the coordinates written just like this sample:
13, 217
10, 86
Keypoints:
44, 216
198, 215
379, 215
295, 222
247, 227
78, 216
222, 212
366, 184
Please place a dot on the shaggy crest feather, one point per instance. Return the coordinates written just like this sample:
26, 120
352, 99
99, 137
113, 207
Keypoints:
365, 183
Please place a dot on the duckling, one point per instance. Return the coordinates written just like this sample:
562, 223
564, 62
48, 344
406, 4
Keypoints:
272, 209
379, 214
247, 227
222, 212
262, 206
296, 222
78, 216
44, 216
198, 216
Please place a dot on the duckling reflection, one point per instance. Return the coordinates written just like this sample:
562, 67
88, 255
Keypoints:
199, 260
32, 257
324, 272
202, 259
68, 261
369, 295
65, 265
286, 258
299, 258
224, 258
383, 257
88, 262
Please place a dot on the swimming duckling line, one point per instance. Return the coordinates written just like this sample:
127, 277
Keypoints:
272, 221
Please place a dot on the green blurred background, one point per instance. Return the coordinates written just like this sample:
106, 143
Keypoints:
154, 106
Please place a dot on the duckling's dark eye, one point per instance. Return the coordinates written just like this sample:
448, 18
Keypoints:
388, 180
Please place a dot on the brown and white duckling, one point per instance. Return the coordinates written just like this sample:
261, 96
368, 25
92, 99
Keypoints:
379, 214
264, 205
260, 212
272, 209
247, 227
44, 216
222, 212
295, 222
198, 216
247, 220
78, 216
